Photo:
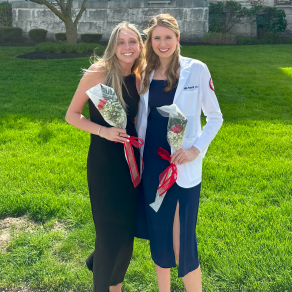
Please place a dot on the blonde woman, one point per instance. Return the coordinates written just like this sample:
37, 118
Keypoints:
112, 194
170, 78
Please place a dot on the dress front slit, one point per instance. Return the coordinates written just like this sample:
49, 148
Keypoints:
160, 224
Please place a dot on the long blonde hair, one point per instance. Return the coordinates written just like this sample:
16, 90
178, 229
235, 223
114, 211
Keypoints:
109, 64
152, 60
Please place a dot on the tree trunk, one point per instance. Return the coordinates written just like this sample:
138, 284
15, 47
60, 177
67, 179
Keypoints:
71, 32
66, 16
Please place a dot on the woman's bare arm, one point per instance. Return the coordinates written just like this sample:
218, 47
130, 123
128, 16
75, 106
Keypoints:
76, 119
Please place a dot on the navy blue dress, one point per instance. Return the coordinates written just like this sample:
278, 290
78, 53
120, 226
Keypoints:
158, 227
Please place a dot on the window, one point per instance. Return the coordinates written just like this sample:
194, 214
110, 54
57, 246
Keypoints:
159, 2
263, 20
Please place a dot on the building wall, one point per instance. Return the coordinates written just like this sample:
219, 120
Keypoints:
102, 16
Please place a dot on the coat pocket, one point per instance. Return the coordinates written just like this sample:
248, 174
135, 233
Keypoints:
193, 168
188, 142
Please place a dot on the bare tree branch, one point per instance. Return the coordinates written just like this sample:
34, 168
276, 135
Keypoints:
69, 4
61, 4
235, 22
52, 8
68, 9
65, 15
83, 8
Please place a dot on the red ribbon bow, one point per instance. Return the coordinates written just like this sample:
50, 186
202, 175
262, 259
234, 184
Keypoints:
128, 146
169, 176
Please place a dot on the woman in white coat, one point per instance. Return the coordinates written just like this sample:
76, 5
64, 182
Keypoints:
170, 78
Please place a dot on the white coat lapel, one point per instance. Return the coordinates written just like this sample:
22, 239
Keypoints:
184, 73
146, 95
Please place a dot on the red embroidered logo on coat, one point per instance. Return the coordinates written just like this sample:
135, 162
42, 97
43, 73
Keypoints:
211, 84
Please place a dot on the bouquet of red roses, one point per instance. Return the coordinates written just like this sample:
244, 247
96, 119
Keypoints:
176, 128
109, 106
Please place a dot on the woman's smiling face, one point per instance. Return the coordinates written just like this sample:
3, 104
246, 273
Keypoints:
128, 48
164, 41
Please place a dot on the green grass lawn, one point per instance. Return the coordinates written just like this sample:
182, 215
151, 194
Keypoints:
245, 217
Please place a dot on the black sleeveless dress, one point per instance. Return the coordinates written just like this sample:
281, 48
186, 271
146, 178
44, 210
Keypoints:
113, 197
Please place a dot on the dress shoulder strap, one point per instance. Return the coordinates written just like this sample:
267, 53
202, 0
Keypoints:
138, 83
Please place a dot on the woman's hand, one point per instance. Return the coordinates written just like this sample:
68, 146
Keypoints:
114, 134
184, 155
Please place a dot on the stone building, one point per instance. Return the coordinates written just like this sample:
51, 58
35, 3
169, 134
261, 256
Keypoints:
249, 28
102, 15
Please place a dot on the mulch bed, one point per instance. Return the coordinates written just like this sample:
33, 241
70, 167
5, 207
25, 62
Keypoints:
44, 56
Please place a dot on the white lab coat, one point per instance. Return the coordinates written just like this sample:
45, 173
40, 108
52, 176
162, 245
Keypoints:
193, 94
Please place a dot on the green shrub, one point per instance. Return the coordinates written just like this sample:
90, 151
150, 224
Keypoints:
254, 41
247, 41
91, 37
271, 38
37, 35
286, 40
241, 40
6, 14
215, 38
61, 36
10, 34
265, 40
82, 47
97, 48
63, 47
47, 47
50, 47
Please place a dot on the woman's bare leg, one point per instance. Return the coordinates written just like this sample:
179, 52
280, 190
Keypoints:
117, 288
163, 278
176, 233
192, 280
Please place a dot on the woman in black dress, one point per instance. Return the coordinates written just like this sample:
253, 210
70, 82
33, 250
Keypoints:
112, 194
169, 78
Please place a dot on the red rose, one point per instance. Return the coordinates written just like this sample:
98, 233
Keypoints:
176, 129
102, 103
